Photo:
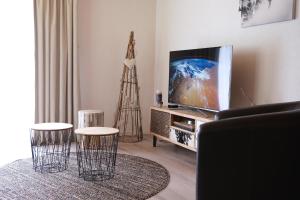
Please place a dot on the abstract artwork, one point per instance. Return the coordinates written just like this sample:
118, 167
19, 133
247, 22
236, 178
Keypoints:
257, 12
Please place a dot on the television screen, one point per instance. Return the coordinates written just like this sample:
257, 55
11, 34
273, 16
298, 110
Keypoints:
201, 78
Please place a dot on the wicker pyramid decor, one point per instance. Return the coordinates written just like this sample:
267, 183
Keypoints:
128, 117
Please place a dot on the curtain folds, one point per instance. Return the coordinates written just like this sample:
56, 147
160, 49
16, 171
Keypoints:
57, 80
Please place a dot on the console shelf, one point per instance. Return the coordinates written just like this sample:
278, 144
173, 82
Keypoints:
183, 130
178, 126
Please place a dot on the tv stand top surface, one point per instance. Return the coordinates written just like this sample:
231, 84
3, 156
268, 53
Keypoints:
202, 115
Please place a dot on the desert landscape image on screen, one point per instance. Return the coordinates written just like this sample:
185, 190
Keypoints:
194, 82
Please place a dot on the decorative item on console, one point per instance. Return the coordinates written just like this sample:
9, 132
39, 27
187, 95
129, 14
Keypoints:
158, 98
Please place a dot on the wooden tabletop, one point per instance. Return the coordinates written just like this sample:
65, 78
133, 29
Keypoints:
90, 111
96, 131
205, 116
51, 126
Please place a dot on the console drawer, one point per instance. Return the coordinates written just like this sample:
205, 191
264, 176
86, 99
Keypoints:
160, 123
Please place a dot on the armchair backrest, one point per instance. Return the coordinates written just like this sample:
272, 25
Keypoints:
259, 109
254, 157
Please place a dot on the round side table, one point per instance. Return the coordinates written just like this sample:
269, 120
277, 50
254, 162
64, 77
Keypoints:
90, 118
50, 146
96, 152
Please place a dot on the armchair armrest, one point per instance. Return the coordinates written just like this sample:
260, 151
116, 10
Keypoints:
259, 109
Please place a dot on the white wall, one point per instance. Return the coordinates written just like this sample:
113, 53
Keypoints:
103, 34
266, 61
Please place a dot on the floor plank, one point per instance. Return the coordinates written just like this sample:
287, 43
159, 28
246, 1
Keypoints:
180, 162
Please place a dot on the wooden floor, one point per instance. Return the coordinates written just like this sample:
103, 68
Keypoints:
181, 164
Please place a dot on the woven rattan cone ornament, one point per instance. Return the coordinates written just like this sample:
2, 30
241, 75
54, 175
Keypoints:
128, 117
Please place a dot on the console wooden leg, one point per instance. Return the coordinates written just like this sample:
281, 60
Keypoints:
154, 141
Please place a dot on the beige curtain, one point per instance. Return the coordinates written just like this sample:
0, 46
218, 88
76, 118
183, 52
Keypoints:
57, 90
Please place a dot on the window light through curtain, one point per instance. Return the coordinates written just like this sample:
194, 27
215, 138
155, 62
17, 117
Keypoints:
16, 78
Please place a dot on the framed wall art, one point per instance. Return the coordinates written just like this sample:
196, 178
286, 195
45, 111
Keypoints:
257, 12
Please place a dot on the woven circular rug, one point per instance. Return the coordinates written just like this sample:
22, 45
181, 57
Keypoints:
135, 178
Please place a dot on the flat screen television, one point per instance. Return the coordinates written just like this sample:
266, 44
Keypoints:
201, 78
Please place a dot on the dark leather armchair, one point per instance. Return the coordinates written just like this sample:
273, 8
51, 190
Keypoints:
250, 154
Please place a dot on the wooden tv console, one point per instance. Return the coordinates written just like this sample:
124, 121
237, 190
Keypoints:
178, 126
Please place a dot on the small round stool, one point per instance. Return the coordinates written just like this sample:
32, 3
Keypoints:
96, 152
50, 146
90, 118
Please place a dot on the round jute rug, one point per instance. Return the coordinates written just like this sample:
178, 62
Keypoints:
135, 178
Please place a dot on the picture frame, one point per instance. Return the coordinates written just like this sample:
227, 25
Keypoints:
258, 12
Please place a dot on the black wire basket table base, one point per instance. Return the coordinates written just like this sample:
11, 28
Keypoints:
96, 154
50, 146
